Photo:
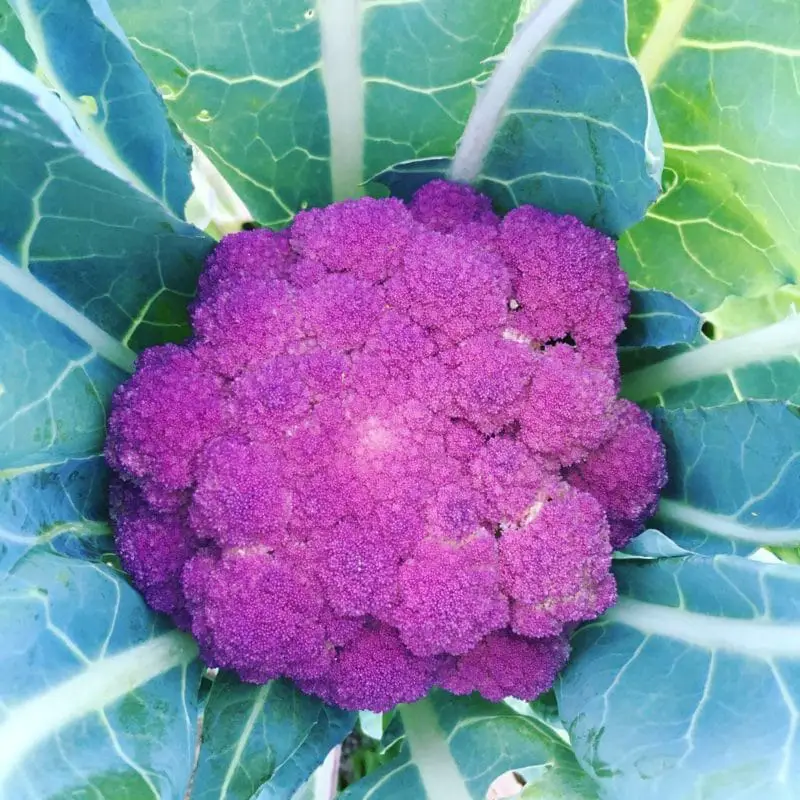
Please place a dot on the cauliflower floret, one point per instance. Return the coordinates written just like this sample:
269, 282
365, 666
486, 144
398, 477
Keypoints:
506, 665
391, 456
556, 568
375, 670
626, 473
257, 612
462, 601
567, 278
162, 417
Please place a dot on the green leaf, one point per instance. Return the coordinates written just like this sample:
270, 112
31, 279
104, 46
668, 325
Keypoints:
566, 780
78, 243
455, 747
738, 315
658, 319
263, 740
298, 103
723, 80
97, 76
12, 37
96, 694
759, 365
689, 686
734, 473
371, 724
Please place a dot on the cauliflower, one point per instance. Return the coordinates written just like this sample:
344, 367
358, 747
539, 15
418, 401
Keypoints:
392, 455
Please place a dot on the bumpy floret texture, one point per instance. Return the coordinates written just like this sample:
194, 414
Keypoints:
392, 455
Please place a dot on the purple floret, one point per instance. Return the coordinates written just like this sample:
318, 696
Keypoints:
153, 548
376, 671
462, 601
626, 473
340, 311
556, 568
511, 477
448, 207
162, 417
568, 280
392, 456
241, 496
250, 255
491, 378
358, 562
365, 237
506, 665
570, 407
246, 324
256, 612
451, 287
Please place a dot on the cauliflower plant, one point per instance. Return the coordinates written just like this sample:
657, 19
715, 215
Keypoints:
392, 455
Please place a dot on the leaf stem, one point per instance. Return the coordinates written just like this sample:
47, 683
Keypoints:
439, 773
682, 513
758, 637
26, 286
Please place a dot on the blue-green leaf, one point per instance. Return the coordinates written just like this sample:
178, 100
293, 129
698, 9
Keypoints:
78, 243
54, 385
370, 723
734, 473
12, 37
98, 698
565, 121
455, 747
653, 543
689, 687
94, 71
62, 506
759, 365
658, 319
263, 741
301, 103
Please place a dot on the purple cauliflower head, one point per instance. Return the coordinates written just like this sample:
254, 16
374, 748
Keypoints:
392, 455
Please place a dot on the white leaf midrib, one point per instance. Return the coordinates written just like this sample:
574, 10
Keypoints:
93, 689
754, 637
720, 357
664, 37
340, 24
439, 773
487, 114
22, 283
241, 743
723, 525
